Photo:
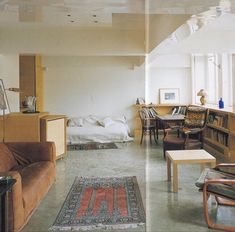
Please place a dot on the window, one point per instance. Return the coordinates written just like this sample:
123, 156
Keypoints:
213, 73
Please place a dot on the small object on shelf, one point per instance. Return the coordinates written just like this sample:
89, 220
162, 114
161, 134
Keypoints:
137, 101
221, 103
202, 93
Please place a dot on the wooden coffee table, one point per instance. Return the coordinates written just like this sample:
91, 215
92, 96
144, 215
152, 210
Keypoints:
186, 157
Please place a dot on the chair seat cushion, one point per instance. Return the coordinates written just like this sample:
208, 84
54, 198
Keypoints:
225, 190
173, 139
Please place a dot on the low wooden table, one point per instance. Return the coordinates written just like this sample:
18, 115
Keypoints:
186, 157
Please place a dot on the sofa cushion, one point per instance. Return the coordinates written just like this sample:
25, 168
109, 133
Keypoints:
7, 159
36, 180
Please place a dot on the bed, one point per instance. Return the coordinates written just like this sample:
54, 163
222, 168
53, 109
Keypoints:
82, 130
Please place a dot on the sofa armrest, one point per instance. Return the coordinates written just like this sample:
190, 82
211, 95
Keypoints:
17, 199
29, 152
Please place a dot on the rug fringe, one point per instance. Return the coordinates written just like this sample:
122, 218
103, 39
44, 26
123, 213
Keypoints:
95, 227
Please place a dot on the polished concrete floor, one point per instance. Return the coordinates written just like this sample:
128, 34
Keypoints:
165, 210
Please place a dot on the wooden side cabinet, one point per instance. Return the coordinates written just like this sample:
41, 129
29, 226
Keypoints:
53, 128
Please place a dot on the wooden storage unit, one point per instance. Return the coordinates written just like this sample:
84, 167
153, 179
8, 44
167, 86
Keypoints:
219, 135
36, 127
23, 127
53, 128
160, 108
31, 79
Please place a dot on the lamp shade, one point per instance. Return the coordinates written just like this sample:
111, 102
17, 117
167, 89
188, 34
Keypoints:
202, 92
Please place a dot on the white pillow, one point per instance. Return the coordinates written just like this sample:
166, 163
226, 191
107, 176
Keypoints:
91, 119
106, 122
121, 119
72, 122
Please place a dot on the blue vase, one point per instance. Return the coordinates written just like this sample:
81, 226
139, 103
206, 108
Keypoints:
221, 103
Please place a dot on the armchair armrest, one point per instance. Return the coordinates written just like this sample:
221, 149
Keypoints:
191, 131
222, 165
29, 152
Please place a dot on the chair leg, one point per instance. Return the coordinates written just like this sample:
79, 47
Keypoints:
142, 135
154, 135
210, 224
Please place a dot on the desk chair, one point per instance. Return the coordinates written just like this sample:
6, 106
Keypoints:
220, 183
148, 126
189, 135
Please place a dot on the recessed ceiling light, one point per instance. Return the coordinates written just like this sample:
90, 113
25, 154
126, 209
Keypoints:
71, 21
94, 15
68, 15
95, 21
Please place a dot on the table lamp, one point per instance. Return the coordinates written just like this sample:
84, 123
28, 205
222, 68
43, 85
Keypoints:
202, 94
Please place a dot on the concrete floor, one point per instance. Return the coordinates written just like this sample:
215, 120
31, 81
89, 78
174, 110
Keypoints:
165, 210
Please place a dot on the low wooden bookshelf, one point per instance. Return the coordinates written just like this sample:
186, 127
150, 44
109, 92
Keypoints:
219, 135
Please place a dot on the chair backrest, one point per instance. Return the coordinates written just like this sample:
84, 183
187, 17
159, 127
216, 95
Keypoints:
146, 121
196, 117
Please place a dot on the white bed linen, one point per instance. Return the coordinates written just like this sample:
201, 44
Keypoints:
92, 132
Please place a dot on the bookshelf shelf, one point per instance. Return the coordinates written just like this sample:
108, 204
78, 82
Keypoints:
225, 130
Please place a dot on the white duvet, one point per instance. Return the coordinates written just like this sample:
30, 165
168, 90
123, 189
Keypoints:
94, 130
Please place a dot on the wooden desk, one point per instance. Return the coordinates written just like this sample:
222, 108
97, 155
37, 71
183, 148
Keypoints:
164, 120
186, 157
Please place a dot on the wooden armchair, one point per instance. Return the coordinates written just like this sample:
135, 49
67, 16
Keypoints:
220, 183
189, 135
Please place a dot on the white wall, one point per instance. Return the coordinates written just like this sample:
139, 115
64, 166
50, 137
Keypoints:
9, 72
80, 86
169, 71
169, 78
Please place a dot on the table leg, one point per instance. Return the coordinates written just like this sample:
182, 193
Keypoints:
213, 164
175, 178
202, 167
168, 161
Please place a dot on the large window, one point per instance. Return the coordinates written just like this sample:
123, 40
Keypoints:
213, 73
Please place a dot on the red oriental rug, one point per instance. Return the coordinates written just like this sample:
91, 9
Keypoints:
101, 203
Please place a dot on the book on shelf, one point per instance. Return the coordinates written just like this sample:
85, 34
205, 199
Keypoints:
217, 136
150, 112
218, 120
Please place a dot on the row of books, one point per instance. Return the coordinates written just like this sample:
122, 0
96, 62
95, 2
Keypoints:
179, 110
218, 120
217, 136
150, 112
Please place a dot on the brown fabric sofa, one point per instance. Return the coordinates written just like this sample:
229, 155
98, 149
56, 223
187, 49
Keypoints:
32, 164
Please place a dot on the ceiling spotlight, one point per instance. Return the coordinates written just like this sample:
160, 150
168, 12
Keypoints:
71, 21
94, 15
68, 15
95, 21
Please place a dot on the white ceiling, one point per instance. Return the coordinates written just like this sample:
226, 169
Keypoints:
91, 13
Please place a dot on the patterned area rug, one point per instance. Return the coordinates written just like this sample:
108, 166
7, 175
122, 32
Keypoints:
91, 146
101, 203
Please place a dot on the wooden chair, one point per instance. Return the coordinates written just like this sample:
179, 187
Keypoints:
148, 126
189, 135
220, 183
